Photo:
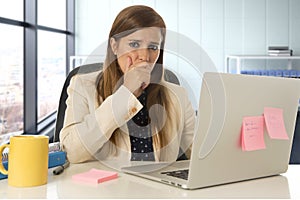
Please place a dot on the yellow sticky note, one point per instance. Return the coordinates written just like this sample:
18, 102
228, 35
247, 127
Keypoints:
253, 133
275, 123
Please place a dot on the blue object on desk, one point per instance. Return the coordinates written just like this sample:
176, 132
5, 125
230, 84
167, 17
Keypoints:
5, 164
55, 158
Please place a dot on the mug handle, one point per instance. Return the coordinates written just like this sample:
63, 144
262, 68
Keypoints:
2, 169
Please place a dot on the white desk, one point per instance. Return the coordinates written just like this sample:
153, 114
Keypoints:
128, 186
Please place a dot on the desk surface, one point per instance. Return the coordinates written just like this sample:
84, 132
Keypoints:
129, 186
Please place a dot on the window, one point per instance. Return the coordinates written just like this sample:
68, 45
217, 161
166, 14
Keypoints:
51, 71
11, 79
37, 38
52, 13
12, 9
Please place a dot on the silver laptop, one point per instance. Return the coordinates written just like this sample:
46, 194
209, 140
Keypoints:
217, 154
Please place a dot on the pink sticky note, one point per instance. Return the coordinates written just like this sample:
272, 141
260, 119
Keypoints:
253, 133
95, 176
275, 123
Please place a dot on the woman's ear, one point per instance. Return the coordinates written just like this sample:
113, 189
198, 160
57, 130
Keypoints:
114, 45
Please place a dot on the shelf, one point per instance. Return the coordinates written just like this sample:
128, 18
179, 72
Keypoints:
239, 58
262, 57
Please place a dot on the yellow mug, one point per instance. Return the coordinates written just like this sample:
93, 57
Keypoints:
27, 160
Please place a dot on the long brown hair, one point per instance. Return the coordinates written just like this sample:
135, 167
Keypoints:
128, 21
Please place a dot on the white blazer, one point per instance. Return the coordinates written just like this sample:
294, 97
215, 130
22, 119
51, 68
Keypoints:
88, 126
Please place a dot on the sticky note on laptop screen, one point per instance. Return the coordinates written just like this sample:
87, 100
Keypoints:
95, 176
275, 123
253, 133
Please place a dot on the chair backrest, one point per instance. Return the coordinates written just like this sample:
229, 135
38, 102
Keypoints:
60, 117
84, 69
171, 77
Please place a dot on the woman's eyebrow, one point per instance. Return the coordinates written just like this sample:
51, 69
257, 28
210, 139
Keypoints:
156, 43
133, 40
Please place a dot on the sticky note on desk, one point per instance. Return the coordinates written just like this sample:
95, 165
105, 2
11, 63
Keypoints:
275, 123
95, 176
253, 133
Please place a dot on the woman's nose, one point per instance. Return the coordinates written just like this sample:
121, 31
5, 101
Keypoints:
143, 54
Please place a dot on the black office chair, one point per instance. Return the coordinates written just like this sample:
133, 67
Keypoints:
168, 75
295, 151
60, 117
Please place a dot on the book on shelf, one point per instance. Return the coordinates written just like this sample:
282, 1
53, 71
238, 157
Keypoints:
278, 48
279, 54
280, 51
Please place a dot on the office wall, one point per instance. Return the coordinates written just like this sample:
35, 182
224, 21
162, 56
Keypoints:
220, 27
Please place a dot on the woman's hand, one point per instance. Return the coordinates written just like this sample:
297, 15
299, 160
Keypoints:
137, 76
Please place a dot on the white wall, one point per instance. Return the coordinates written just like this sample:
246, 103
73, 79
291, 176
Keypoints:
220, 27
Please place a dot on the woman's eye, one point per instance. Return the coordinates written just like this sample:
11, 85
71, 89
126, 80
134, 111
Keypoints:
153, 47
134, 44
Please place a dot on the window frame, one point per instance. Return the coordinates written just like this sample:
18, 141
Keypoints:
30, 67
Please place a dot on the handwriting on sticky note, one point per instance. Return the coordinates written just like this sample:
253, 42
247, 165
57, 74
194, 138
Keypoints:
275, 123
253, 133
95, 176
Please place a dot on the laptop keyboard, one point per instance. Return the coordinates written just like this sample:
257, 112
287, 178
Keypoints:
183, 174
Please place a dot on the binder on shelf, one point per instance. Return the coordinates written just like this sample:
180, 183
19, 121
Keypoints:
277, 73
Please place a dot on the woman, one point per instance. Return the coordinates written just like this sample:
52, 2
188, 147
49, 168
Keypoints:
127, 112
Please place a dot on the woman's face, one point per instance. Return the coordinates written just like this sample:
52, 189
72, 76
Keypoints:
140, 46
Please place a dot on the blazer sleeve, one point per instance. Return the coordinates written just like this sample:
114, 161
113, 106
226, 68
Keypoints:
88, 127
